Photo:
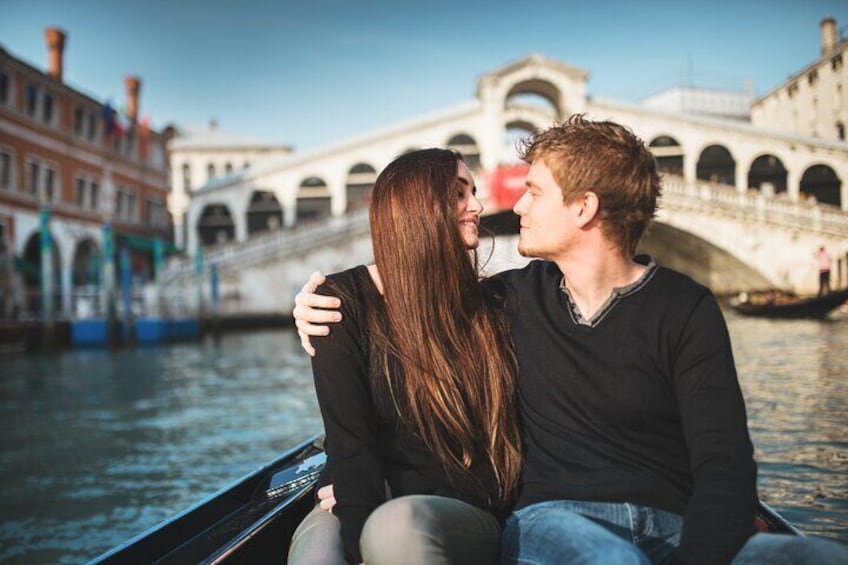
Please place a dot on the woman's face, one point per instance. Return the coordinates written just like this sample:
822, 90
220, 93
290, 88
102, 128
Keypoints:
468, 208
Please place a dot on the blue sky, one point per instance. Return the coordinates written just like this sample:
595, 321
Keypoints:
312, 72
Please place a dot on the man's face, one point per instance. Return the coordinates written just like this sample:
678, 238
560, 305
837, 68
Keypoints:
547, 225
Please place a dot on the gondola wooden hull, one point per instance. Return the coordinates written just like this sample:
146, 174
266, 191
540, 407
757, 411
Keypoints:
814, 308
252, 521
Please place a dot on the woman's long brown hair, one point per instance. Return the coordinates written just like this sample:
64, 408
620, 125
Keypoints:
458, 369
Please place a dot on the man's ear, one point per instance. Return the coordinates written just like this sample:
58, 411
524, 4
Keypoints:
590, 206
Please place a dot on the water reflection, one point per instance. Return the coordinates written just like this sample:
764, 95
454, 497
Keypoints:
793, 376
108, 444
98, 446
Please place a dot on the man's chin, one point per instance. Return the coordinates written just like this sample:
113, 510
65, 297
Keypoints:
527, 251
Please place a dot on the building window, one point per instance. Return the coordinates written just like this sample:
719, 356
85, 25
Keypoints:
813, 77
31, 99
49, 192
87, 192
79, 121
156, 213
91, 126
81, 192
187, 177
840, 131
210, 171
6, 163
33, 178
5, 88
836, 62
132, 207
41, 180
792, 89
47, 108
120, 204
246, 165
126, 205
228, 168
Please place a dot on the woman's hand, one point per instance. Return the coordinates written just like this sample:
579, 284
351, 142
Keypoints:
327, 498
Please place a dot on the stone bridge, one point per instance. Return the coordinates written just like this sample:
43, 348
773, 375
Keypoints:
727, 240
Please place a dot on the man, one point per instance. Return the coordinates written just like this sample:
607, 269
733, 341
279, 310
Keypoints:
825, 262
635, 435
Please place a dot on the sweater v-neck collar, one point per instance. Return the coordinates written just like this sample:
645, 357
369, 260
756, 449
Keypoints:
615, 296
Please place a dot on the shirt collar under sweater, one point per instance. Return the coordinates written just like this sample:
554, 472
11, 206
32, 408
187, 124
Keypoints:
617, 294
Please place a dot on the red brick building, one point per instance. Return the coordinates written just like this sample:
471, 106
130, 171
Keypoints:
63, 151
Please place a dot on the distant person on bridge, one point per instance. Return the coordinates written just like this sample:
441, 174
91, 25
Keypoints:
635, 438
825, 263
416, 385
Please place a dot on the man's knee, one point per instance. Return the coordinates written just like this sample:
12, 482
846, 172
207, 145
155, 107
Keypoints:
779, 549
556, 535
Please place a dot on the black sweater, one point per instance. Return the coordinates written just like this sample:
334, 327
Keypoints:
640, 406
366, 442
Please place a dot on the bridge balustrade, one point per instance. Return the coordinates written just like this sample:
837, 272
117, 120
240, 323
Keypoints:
271, 246
727, 201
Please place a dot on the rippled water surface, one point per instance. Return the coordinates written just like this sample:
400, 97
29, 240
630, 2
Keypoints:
98, 446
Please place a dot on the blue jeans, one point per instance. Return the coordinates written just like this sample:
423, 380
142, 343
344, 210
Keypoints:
575, 532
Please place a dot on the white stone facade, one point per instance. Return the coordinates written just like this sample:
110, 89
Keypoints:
710, 102
199, 156
814, 101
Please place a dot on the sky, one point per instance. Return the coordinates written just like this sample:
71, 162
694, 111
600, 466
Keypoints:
315, 72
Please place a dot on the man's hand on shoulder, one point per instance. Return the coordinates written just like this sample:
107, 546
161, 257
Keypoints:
312, 310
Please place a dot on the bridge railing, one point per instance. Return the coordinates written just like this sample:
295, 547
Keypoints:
727, 201
272, 246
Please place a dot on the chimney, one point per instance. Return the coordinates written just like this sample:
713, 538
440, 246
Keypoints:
828, 34
55, 47
133, 85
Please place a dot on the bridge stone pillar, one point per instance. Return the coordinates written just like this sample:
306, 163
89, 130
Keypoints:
793, 181
690, 167
191, 228
741, 175
491, 133
239, 214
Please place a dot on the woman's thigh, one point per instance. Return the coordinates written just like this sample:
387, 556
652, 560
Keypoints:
317, 540
430, 529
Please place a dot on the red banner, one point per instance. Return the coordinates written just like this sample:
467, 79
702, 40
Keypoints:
506, 185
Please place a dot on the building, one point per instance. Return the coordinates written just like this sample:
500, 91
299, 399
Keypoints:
73, 167
733, 104
201, 155
814, 101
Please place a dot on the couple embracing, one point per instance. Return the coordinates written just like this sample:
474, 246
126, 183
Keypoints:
583, 409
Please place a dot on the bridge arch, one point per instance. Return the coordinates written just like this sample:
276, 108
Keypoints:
533, 91
313, 199
514, 132
668, 153
822, 182
264, 212
466, 145
767, 174
360, 181
215, 225
716, 164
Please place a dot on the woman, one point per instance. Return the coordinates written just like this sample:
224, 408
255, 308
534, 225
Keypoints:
416, 385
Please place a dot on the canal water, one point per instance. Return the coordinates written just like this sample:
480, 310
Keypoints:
98, 446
